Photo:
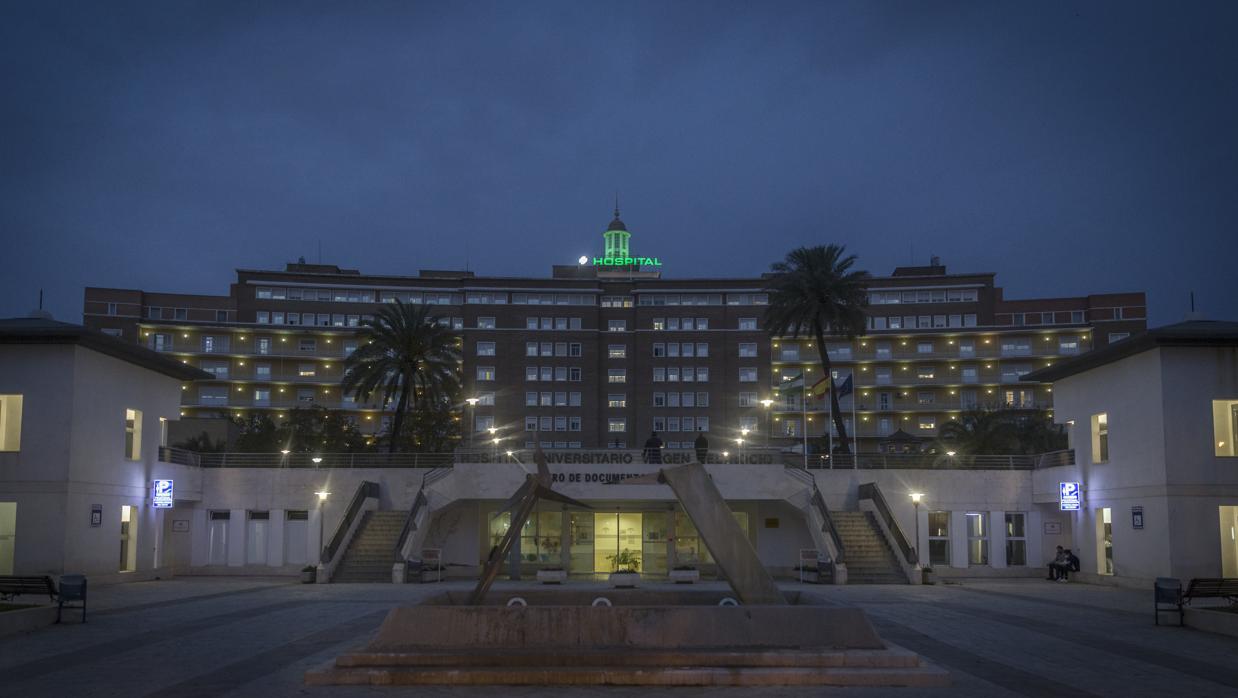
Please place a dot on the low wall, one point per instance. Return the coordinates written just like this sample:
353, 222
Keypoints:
30, 619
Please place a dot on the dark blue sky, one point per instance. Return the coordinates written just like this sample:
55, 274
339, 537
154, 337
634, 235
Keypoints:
1071, 147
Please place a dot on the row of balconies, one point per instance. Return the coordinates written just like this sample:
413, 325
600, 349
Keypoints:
1046, 352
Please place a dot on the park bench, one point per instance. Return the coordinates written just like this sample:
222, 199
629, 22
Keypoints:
1168, 590
11, 586
72, 589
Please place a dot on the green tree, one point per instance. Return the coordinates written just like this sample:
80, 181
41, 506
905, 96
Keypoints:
815, 292
259, 434
979, 432
435, 428
406, 355
203, 443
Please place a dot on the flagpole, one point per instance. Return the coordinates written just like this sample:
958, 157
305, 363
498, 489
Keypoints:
855, 426
804, 412
829, 422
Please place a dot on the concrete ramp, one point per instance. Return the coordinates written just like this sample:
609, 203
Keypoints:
736, 557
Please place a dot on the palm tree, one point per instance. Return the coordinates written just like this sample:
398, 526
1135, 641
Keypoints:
407, 355
814, 291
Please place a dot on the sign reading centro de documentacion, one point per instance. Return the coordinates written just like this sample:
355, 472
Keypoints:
1068, 496
162, 494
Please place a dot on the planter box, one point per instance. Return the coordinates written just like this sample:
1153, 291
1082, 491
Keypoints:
685, 576
552, 576
624, 580
309, 576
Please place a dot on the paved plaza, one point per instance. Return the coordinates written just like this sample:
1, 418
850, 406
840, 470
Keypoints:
203, 636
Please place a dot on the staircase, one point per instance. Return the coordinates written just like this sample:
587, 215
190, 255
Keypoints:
869, 558
372, 552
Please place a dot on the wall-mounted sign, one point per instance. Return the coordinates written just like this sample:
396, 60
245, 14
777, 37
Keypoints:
1053, 528
161, 496
1136, 517
180, 525
625, 262
1068, 496
96, 515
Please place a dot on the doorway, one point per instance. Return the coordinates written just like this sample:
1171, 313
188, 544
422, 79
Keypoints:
1229, 541
615, 533
8, 536
1104, 541
128, 539
217, 538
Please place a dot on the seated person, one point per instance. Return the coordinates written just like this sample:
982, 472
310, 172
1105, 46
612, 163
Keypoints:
1060, 565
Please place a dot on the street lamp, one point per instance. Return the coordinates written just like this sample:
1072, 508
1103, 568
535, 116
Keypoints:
915, 499
322, 503
472, 410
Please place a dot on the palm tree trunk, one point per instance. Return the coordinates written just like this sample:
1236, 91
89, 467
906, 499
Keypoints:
835, 411
398, 422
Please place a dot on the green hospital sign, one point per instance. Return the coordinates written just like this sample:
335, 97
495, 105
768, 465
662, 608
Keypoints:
622, 261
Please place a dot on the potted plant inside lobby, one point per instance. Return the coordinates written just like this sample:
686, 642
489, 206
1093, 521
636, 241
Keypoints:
685, 574
552, 575
309, 574
626, 569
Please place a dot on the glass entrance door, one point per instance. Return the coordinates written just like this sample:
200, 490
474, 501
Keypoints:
128, 545
614, 533
8, 535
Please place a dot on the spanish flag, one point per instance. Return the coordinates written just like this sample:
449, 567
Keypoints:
821, 388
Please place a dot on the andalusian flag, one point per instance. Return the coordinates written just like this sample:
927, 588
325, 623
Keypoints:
792, 382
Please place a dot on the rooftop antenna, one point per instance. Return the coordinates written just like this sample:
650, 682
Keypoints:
616, 204
41, 300
1192, 300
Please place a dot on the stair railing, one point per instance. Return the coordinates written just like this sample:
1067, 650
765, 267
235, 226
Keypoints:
827, 527
872, 492
419, 502
347, 526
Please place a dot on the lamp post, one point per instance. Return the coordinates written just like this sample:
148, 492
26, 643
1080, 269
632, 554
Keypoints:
472, 411
915, 499
767, 403
322, 505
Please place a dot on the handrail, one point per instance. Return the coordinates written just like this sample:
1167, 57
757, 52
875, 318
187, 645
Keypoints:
935, 461
827, 525
365, 490
872, 492
182, 456
410, 523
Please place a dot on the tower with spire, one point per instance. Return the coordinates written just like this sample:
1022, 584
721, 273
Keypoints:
616, 237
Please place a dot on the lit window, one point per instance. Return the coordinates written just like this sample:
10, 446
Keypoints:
617, 400
1100, 438
618, 351
1224, 426
977, 538
616, 425
133, 434
617, 375
10, 422
1016, 539
939, 538
616, 325
485, 373
485, 348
